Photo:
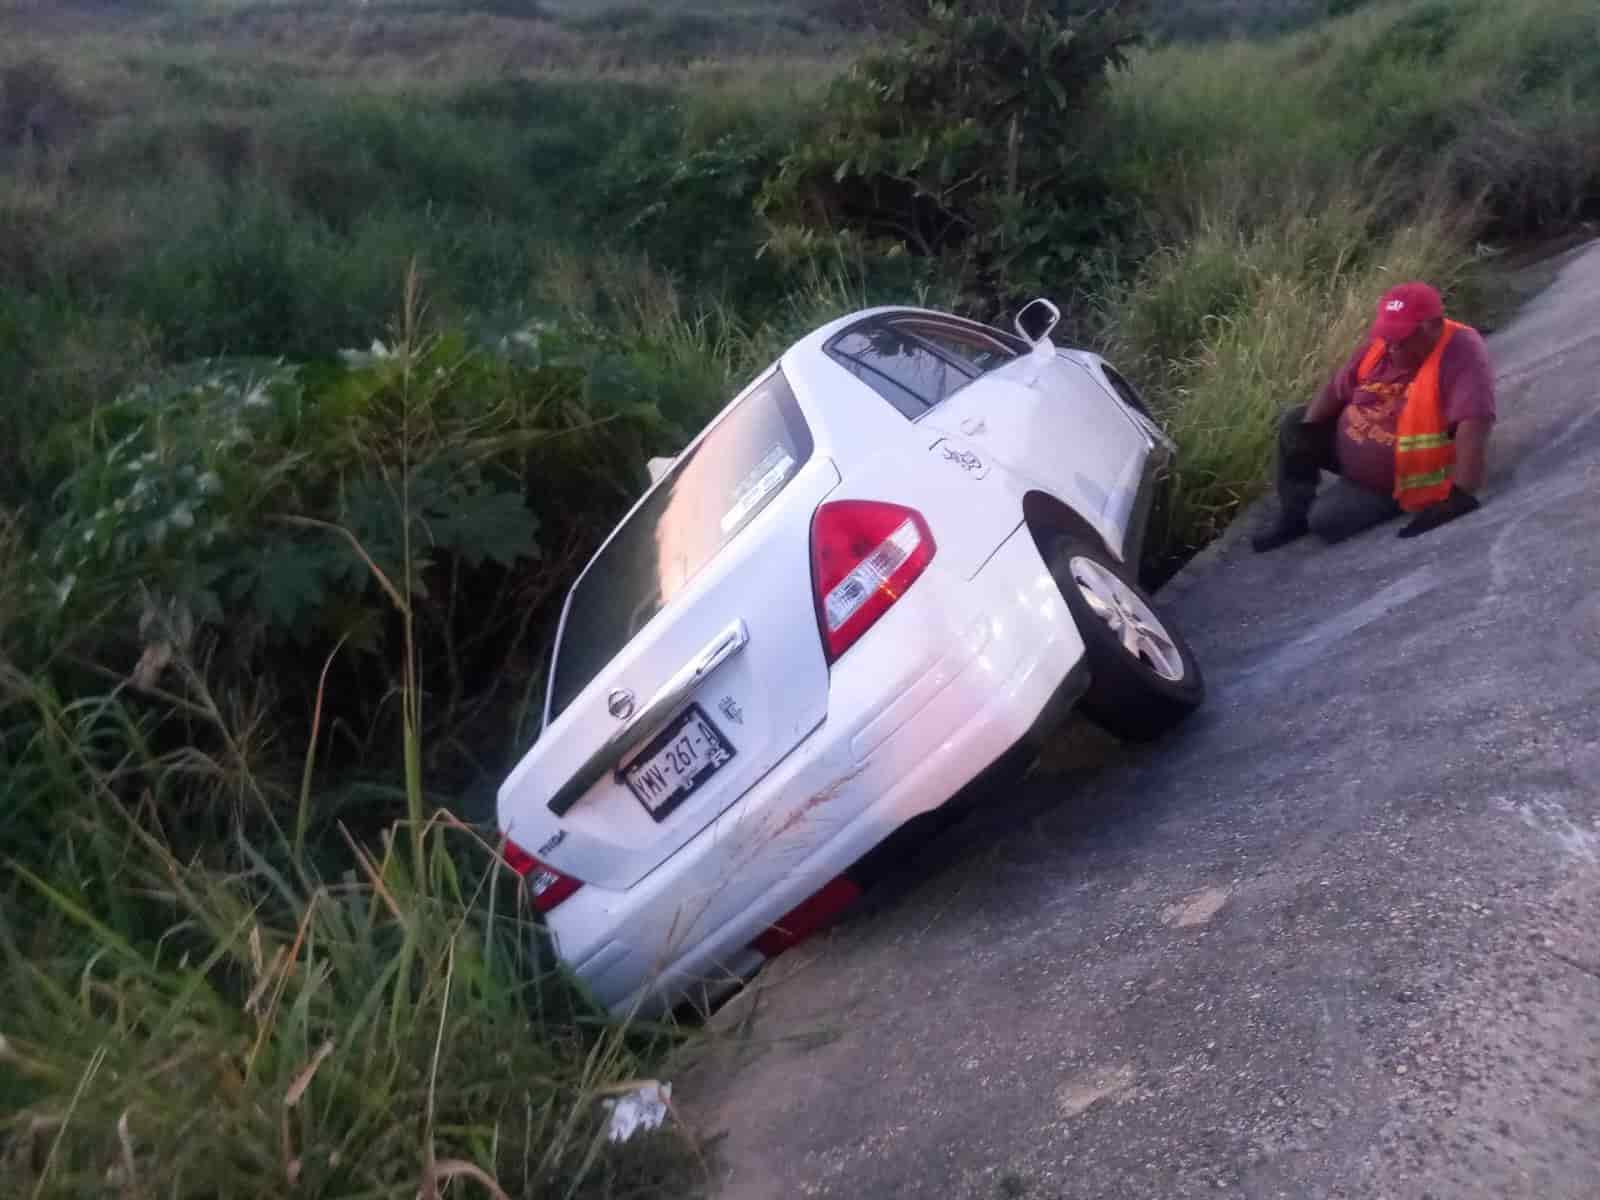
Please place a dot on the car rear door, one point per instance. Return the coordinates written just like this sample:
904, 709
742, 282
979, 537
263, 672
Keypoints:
1045, 417
986, 398
689, 660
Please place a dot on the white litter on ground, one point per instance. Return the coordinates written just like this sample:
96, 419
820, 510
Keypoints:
644, 1109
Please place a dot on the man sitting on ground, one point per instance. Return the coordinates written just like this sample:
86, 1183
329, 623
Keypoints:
1406, 420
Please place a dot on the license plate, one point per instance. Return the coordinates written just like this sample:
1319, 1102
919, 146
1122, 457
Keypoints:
677, 762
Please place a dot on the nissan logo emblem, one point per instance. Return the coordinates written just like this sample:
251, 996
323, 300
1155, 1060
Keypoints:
620, 704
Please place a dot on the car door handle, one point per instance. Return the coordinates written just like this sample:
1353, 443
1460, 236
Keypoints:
973, 426
653, 717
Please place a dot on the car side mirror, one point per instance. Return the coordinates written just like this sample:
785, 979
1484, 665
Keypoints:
1036, 321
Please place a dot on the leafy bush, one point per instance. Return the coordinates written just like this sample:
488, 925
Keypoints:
211, 913
693, 212
183, 502
964, 144
349, 1002
296, 506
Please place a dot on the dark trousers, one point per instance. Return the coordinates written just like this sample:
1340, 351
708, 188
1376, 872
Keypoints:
1304, 452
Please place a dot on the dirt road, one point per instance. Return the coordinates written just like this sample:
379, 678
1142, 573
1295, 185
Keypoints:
1339, 937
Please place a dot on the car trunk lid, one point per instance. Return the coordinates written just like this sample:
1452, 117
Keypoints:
689, 662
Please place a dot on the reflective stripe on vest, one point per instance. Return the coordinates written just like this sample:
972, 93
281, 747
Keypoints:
1425, 453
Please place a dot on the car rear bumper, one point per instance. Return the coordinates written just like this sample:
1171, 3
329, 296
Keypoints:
970, 668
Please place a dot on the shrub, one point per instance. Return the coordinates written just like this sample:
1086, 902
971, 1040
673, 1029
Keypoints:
338, 162
692, 213
963, 144
185, 939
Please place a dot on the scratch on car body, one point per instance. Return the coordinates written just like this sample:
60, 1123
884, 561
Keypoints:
819, 798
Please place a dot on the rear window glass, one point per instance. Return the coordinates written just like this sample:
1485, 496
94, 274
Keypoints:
908, 374
917, 362
710, 493
979, 350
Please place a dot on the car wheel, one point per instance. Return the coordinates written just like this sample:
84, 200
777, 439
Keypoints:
1144, 678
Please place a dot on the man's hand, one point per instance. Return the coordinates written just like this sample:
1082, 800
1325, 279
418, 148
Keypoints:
1456, 504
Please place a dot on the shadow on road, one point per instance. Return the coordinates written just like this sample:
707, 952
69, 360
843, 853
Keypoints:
1053, 800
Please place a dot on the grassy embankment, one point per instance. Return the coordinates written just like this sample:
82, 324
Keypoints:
260, 623
241, 953
1291, 182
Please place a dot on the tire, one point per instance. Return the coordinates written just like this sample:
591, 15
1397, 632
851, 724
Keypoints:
1134, 697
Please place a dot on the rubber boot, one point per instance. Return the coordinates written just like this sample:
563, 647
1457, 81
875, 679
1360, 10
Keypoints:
1303, 451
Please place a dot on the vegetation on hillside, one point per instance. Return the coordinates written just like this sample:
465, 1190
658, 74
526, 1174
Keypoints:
964, 142
285, 521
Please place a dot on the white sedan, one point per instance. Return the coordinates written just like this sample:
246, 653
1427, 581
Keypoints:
897, 558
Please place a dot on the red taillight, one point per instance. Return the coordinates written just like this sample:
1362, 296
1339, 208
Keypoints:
864, 555
807, 917
547, 886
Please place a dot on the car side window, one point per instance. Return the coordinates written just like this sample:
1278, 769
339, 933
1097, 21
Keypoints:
908, 374
979, 350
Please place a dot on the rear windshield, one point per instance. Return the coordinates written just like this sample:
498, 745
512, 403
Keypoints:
710, 494
917, 363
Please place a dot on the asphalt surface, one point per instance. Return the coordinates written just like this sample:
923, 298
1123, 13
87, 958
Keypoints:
1339, 936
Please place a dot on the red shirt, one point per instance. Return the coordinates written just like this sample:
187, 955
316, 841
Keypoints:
1369, 413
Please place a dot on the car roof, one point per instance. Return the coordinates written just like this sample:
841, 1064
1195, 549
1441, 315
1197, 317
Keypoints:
813, 344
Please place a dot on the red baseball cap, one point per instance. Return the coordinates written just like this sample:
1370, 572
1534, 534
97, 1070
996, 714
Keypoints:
1403, 308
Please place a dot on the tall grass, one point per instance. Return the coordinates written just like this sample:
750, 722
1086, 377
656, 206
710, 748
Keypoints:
1404, 98
276, 221
1236, 325
1286, 184
181, 1028
198, 1000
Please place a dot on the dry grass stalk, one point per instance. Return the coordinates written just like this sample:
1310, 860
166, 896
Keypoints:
448, 1169
130, 1172
61, 1126
374, 875
282, 981
307, 1073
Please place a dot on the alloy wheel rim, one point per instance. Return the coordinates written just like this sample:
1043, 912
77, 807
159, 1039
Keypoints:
1136, 627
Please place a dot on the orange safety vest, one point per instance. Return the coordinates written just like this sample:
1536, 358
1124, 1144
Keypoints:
1425, 454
